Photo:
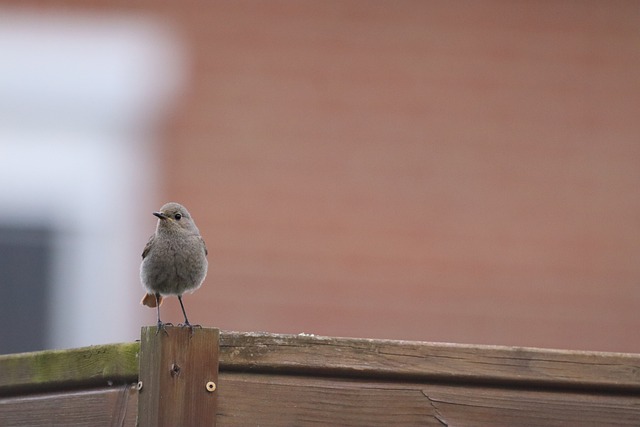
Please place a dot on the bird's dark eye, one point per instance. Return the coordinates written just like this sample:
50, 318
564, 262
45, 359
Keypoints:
178, 216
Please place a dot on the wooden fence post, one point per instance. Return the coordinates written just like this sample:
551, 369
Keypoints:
178, 377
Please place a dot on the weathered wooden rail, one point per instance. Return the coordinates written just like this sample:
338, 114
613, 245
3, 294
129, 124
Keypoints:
240, 379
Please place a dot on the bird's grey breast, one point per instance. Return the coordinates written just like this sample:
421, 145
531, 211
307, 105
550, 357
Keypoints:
174, 264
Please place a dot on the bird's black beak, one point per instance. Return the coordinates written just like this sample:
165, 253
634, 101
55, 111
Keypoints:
160, 215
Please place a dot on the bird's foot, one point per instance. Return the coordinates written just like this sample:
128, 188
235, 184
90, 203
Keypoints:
162, 327
190, 326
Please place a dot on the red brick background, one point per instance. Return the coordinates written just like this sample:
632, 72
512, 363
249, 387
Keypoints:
440, 171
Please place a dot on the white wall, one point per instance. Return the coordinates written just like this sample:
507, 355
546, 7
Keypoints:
80, 97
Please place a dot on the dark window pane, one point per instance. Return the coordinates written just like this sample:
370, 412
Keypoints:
25, 283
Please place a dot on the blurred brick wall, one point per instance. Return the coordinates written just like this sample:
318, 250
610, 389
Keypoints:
441, 171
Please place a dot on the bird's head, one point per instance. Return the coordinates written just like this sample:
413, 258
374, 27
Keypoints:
174, 217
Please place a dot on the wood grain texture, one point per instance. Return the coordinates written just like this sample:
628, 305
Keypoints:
174, 370
282, 400
473, 406
302, 380
98, 365
421, 361
106, 406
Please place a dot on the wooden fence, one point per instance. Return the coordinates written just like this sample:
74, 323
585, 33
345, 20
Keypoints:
212, 378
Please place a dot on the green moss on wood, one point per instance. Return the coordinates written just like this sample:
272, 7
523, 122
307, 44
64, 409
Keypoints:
95, 365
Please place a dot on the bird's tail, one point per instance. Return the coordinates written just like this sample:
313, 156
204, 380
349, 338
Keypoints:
150, 300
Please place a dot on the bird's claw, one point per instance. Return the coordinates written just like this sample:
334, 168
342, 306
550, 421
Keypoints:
190, 326
162, 327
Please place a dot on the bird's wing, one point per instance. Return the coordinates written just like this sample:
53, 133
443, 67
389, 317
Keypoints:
147, 248
204, 245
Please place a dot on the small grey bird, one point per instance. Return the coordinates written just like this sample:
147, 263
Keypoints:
174, 260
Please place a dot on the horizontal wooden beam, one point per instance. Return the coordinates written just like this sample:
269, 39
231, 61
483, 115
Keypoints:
292, 400
101, 406
328, 356
272, 379
434, 362
85, 367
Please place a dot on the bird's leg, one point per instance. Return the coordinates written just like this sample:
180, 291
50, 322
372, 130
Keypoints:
161, 326
186, 321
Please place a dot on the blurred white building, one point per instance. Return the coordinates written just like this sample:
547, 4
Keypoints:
80, 96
